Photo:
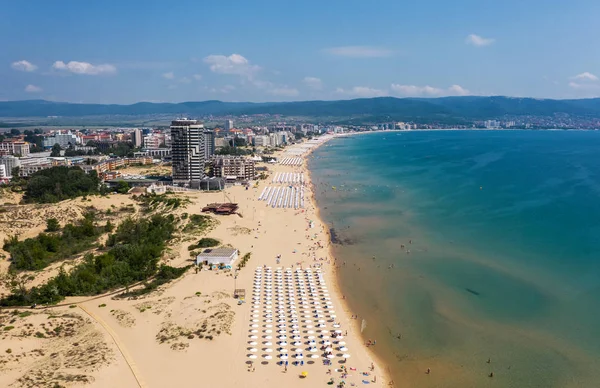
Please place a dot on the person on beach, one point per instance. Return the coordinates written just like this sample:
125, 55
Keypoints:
428, 370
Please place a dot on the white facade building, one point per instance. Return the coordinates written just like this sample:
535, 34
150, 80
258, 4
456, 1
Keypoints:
218, 256
62, 139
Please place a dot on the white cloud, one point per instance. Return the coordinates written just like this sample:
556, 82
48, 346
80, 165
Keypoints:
362, 91
185, 80
428, 91
359, 51
584, 86
284, 91
85, 68
234, 64
225, 89
23, 66
197, 77
169, 75
585, 76
313, 83
479, 41
32, 89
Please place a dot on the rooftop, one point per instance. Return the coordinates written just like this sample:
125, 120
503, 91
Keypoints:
218, 252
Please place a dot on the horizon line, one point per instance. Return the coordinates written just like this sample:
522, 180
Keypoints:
302, 101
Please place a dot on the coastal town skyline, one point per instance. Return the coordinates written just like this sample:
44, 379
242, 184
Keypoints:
119, 56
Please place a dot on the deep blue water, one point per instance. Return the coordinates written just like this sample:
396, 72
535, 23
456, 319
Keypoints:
505, 253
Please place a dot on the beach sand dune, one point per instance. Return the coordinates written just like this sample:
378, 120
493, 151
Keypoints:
193, 333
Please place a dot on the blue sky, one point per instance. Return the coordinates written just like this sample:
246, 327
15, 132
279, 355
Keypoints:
128, 51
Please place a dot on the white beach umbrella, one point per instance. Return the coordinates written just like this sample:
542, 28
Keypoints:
339, 337
283, 357
330, 356
308, 326
254, 320
268, 320
282, 337
314, 356
299, 357
328, 349
268, 350
282, 332
336, 326
267, 343
254, 325
283, 343
343, 349
326, 343
268, 337
283, 350
297, 343
341, 343
253, 337
311, 337
268, 331
345, 355
252, 356
253, 350
297, 337
310, 332
338, 331
267, 357
321, 321
253, 343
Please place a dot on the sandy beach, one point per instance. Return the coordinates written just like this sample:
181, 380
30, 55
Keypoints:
192, 332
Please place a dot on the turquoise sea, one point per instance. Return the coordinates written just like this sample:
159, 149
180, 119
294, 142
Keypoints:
503, 274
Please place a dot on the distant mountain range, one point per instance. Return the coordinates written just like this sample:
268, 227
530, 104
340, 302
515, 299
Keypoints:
446, 109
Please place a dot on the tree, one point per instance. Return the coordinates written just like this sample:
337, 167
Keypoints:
59, 183
55, 150
15, 171
239, 142
123, 187
52, 225
15, 132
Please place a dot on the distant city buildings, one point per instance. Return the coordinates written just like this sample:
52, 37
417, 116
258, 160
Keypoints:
137, 137
20, 148
228, 125
192, 146
492, 124
64, 140
157, 140
232, 167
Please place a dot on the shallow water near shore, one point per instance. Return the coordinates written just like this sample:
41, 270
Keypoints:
503, 230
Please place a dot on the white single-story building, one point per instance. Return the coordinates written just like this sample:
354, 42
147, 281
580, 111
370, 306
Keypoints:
218, 256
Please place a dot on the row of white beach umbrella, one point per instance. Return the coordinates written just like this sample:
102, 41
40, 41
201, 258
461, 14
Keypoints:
291, 161
283, 196
275, 286
288, 177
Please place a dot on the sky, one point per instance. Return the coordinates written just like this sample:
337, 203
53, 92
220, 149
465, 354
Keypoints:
122, 52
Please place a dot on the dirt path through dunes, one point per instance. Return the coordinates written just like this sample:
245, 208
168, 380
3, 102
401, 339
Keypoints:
120, 346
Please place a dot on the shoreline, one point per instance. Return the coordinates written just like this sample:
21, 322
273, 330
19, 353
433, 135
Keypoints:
334, 274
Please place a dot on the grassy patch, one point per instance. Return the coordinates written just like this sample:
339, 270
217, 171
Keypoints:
205, 242
199, 223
